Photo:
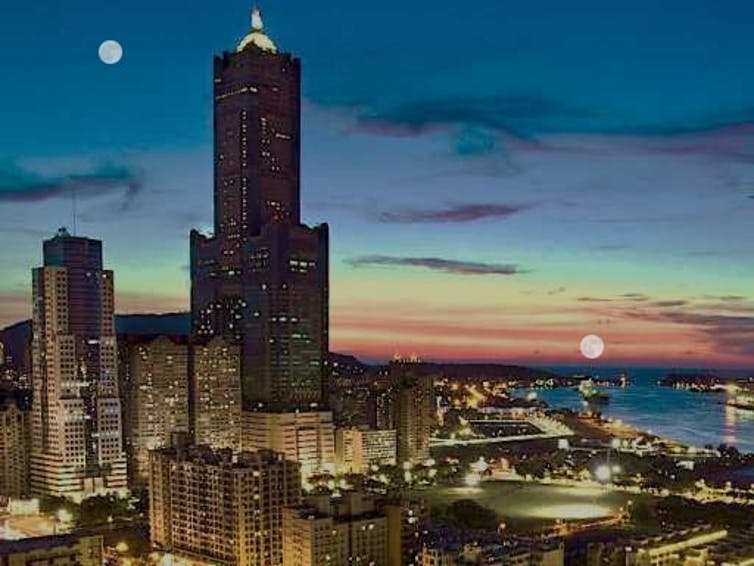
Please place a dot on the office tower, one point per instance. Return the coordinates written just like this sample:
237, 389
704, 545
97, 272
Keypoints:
77, 448
14, 445
305, 437
261, 279
215, 404
413, 400
82, 550
356, 449
154, 388
344, 531
210, 506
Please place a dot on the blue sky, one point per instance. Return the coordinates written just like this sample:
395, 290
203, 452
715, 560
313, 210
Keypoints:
557, 168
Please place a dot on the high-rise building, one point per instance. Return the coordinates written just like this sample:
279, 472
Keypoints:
356, 449
215, 403
79, 549
408, 521
77, 447
218, 508
154, 386
14, 446
413, 400
305, 437
261, 279
345, 531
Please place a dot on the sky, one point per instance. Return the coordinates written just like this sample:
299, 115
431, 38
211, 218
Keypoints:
501, 178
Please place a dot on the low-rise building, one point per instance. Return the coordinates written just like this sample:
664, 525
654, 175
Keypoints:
306, 437
342, 531
82, 550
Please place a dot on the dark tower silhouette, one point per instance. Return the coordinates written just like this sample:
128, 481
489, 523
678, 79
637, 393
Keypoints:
262, 279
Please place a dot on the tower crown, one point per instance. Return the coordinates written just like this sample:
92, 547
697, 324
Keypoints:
256, 36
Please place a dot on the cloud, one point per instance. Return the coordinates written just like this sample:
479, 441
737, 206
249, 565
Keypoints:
636, 296
478, 118
727, 333
453, 214
438, 264
593, 300
669, 304
20, 185
726, 298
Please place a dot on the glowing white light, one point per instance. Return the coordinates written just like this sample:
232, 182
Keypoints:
569, 511
472, 479
480, 466
592, 346
616, 443
64, 515
110, 52
603, 473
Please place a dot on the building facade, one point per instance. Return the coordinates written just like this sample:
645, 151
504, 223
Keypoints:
215, 398
413, 400
357, 449
77, 446
154, 387
82, 550
212, 506
343, 532
304, 437
261, 280
14, 448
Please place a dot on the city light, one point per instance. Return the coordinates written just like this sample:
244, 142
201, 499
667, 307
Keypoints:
64, 515
472, 479
603, 473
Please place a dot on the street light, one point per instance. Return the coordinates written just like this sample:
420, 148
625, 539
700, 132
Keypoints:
603, 473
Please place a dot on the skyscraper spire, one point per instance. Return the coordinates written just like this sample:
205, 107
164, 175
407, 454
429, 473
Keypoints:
256, 36
256, 19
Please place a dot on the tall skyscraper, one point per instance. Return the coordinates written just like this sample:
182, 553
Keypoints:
262, 278
77, 446
154, 386
214, 507
413, 402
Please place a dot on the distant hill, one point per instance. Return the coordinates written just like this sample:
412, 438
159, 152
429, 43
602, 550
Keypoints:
487, 371
17, 336
175, 323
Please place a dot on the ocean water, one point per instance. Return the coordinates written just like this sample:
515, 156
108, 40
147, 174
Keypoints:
695, 419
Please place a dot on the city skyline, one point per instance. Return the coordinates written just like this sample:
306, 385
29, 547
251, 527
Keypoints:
498, 216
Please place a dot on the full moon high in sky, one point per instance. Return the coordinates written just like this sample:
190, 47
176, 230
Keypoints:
501, 178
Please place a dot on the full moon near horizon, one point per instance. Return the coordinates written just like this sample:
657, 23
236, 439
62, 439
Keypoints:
592, 346
110, 52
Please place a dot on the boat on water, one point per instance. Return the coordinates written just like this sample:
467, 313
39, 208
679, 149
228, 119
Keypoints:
623, 379
591, 394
